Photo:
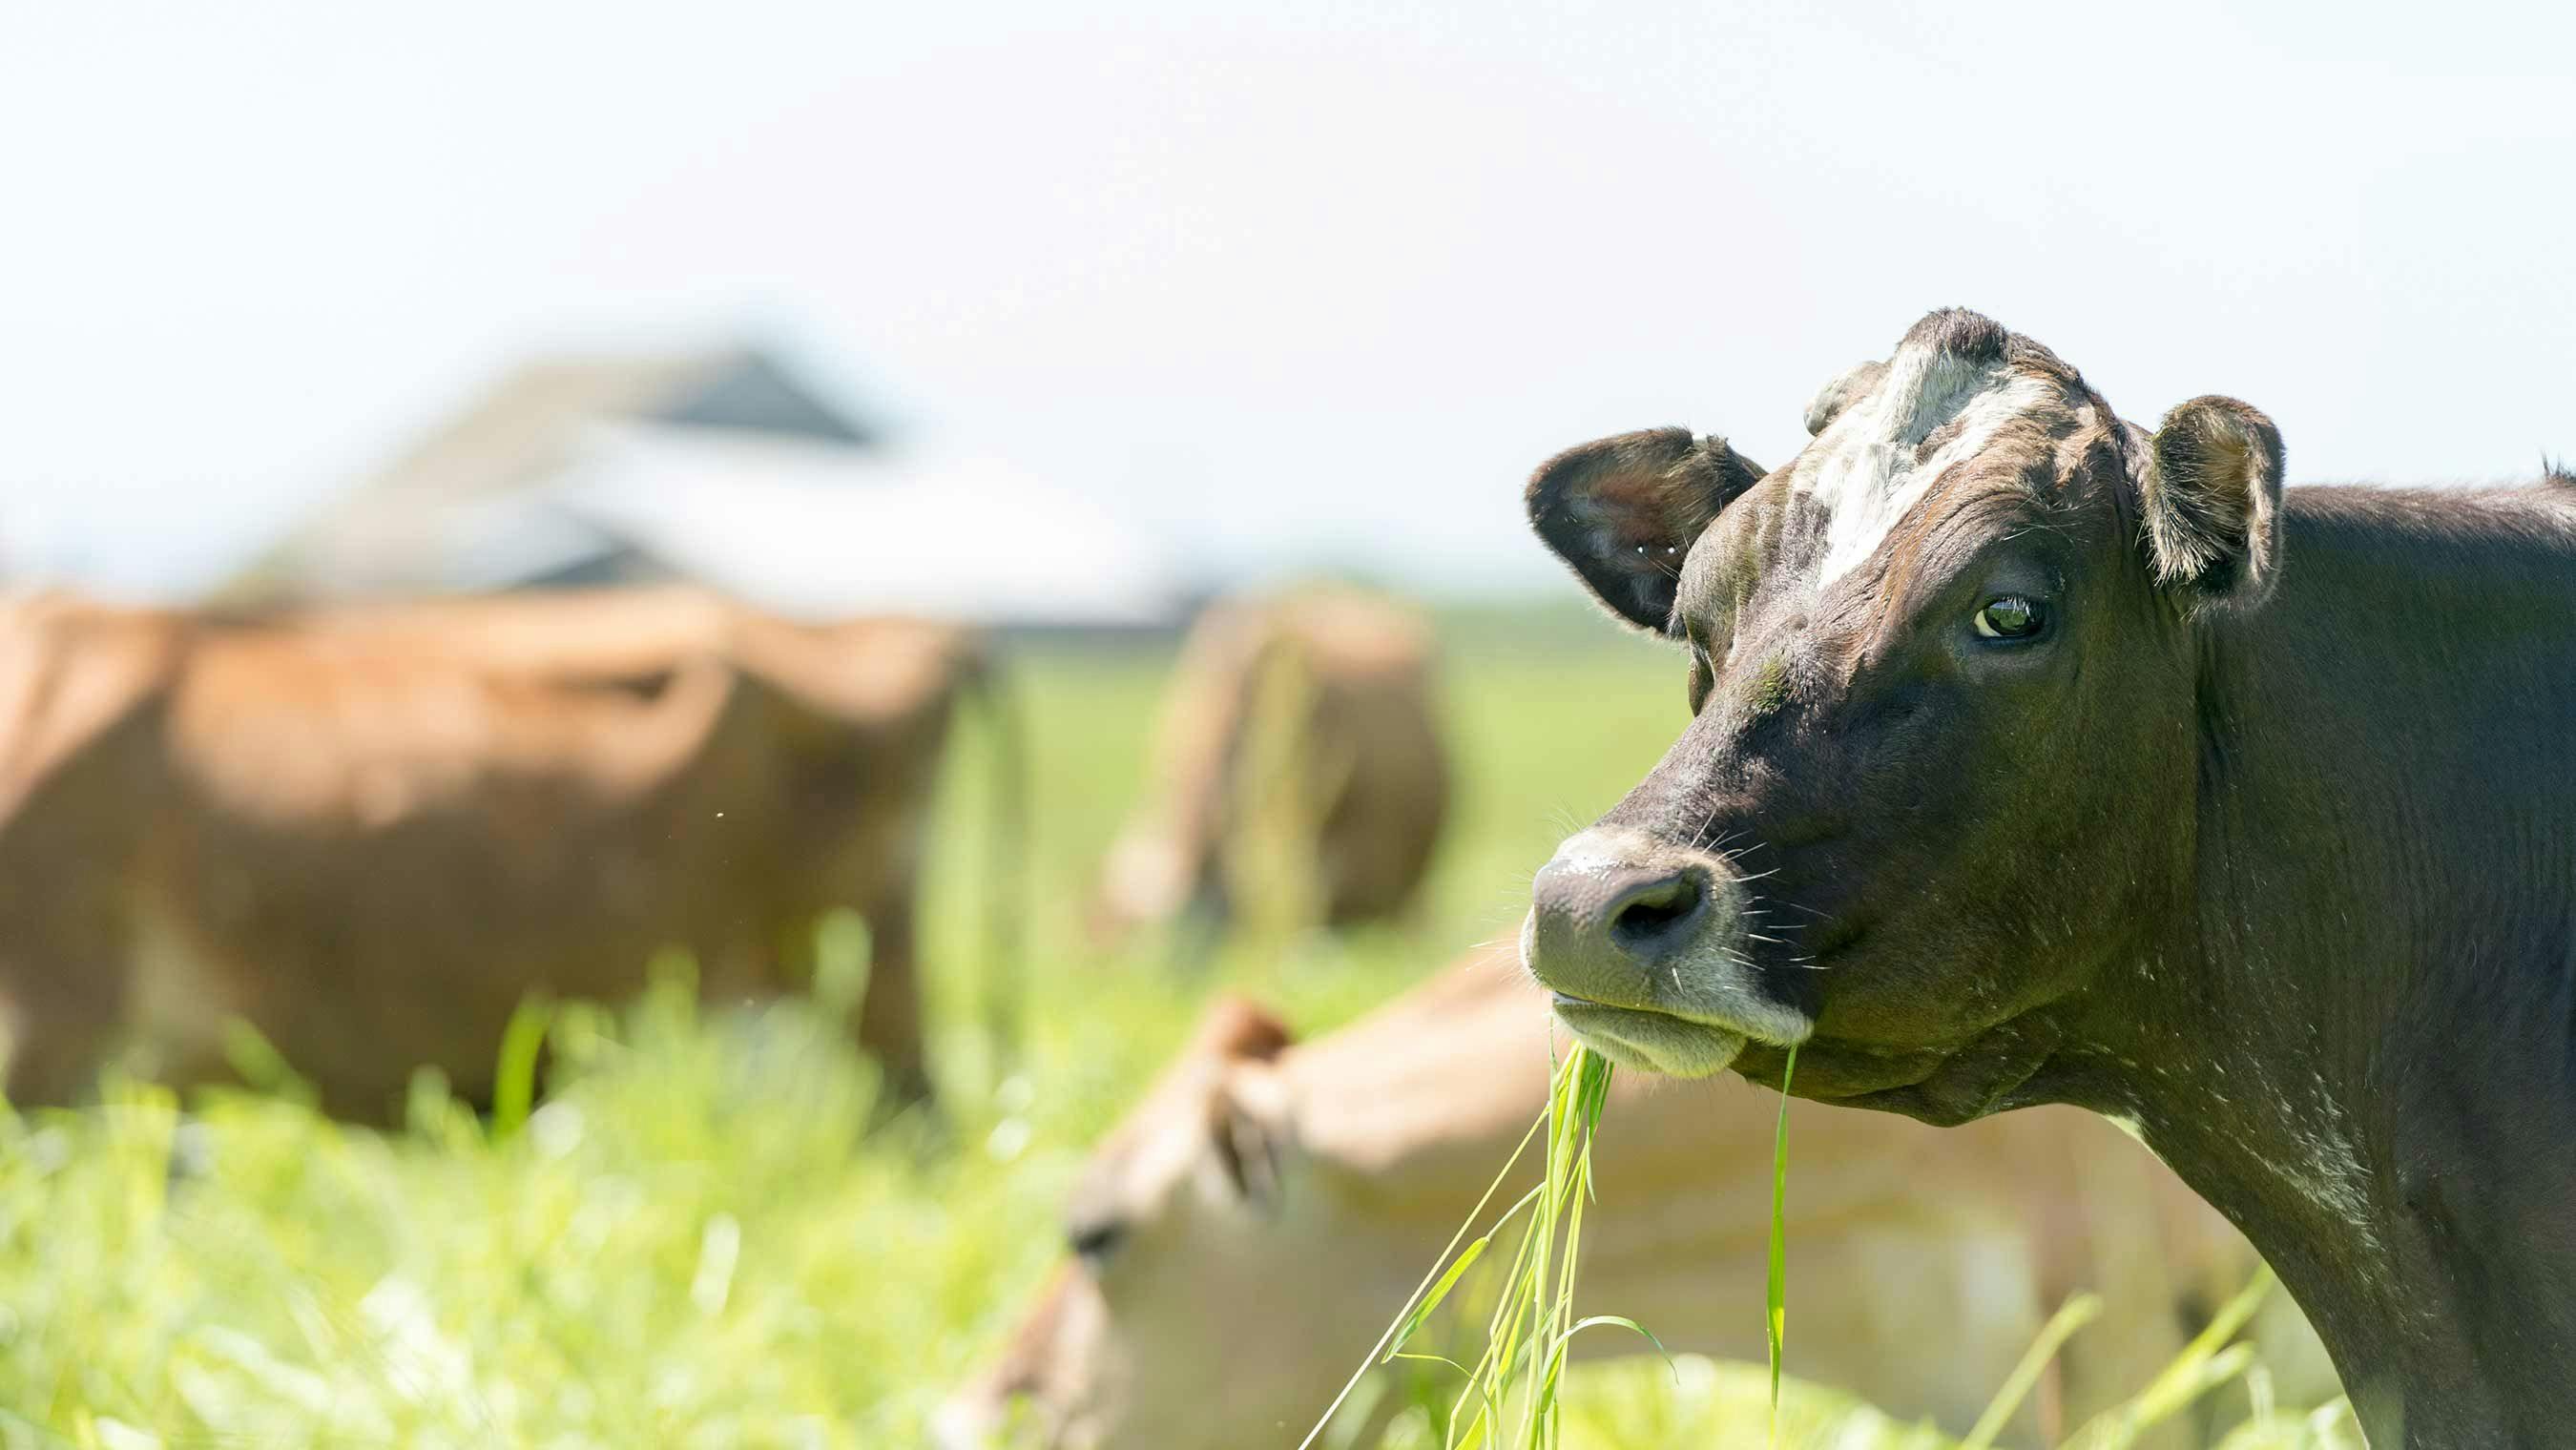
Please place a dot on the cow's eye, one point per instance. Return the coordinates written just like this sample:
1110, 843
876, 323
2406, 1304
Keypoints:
1094, 1243
2013, 616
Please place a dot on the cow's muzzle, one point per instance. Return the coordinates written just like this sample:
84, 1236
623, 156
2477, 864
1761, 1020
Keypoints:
1642, 942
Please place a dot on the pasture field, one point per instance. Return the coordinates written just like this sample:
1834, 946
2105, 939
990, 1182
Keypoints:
698, 1239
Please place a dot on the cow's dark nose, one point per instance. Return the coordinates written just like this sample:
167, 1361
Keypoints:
1609, 910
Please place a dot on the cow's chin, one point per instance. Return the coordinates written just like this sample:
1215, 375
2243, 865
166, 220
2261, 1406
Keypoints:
1650, 1041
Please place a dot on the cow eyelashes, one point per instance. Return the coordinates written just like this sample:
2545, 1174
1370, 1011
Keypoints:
2011, 618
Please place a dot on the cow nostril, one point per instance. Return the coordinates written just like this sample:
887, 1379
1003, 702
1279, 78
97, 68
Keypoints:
1653, 917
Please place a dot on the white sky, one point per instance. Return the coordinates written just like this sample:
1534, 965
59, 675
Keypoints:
1323, 281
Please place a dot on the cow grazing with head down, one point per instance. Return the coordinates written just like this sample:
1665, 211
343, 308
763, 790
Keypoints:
1242, 1238
2041, 758
1311, 712
370, 835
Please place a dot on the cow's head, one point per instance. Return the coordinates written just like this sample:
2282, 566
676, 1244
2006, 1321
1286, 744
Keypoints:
1941, 765
1178, 1319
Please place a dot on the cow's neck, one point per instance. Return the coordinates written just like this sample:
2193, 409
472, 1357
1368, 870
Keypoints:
2357, 1044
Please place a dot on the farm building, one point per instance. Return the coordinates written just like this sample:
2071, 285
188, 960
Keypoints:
725, 468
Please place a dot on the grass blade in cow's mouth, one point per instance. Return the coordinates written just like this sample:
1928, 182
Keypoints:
1775, 1290
1514, 1381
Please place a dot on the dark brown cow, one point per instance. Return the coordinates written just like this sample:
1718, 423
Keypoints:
371, 835
2039, 757
1312, 712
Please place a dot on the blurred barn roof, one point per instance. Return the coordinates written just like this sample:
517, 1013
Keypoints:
720, 467
822, 532
463, 508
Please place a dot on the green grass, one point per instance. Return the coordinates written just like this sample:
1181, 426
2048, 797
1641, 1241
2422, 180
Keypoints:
1509, 1396
696, 1238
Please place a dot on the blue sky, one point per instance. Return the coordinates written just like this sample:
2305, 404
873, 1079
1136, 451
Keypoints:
1281, 286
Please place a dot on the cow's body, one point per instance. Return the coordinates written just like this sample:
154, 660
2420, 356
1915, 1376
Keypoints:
2366, 1020
371, 836
1312, 712
2041, 758
1254, 1226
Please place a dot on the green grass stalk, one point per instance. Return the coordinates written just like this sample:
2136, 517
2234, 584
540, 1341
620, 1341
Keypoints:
1510, 1395
1775, 1293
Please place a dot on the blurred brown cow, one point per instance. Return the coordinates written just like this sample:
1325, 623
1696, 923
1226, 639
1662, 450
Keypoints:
1311, 710
1244, 1237
371, 834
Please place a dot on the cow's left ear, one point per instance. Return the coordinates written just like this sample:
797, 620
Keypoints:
2211, 502
1624, 511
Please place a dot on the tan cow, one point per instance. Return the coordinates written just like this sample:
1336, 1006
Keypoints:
371, 835
1245, 1236
1311, 713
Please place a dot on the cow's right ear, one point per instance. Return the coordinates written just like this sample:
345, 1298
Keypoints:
1624, 511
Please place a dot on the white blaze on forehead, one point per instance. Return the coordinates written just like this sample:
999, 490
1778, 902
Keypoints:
1863, 471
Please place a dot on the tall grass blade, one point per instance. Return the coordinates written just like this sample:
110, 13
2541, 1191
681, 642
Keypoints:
1510, 1395
514, 1078
1617, 1321
2204, 1364
1431, 1301
1775, 1294
2072, 1315
2174, 1390
1454, 1240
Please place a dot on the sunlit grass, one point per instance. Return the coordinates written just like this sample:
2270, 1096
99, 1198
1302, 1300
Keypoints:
697, 1239
1516, 1393
1510, 1393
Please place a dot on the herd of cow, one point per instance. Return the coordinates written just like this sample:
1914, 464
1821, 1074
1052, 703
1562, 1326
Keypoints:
2037, 761
368, 834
